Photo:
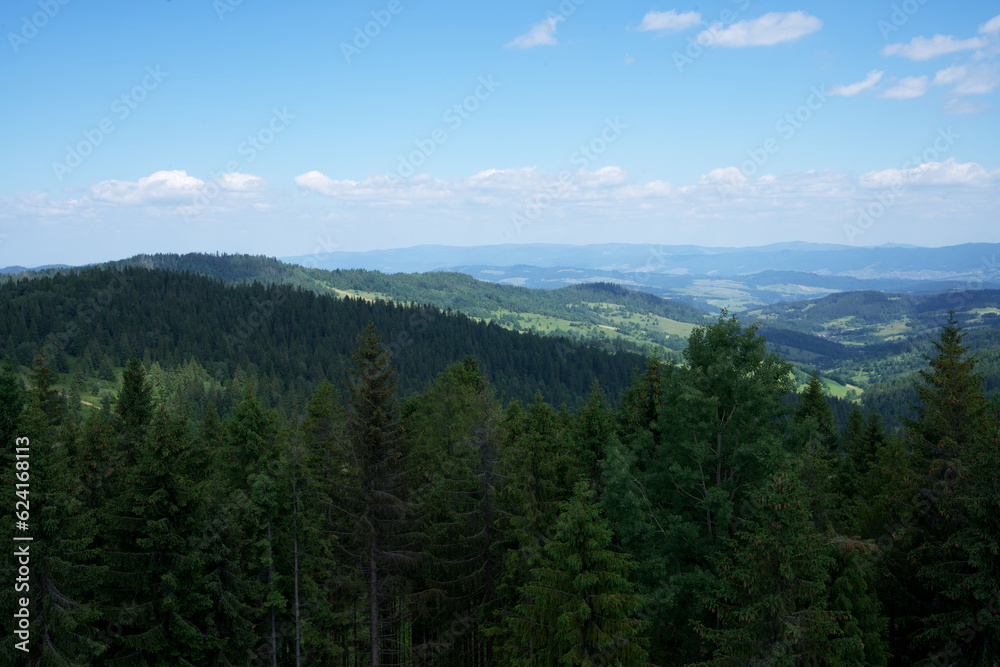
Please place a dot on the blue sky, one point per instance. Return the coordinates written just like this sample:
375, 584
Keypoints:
303, 127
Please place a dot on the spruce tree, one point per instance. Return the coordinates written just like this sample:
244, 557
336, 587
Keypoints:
134, 403
330, 609
63, 578
679, 492
377, 513
813, 406
957, 536
772, 597
951, 409
454, 428
594, 429
580, 607
534, 463
251, 443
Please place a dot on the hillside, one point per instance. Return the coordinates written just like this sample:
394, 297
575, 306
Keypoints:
603, 314
857, 340
710, 278
289, 338
867, 317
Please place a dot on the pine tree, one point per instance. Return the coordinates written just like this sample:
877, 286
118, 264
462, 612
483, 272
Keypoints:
580, 607
679, 493
380, 479
594, 429
958, 549
813, 439
79, 379
535, 464
250, 436
772, 597
63, 578
106, 371
134, 403
813, 406
454, 427
11, 404
854, 600
952, 408
331, 608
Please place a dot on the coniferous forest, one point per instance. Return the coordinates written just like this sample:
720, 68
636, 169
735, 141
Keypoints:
257, 475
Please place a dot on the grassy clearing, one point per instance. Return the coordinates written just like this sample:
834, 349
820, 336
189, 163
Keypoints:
834, 388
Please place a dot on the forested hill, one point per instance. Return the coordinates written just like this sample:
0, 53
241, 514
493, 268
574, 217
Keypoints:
290, 338
456, 530
603, 314
867, 316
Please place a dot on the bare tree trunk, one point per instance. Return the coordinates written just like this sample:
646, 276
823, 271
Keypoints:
295, 572
373, 594
270, 581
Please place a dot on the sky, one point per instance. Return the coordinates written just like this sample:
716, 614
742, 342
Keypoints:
307, 127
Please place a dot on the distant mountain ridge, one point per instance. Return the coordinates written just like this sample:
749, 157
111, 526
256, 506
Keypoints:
857, 334
22, 269
889, 261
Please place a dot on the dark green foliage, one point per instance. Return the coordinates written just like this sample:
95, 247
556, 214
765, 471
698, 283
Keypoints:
379, 481
678, 491
63, 578
814, 407
593, 434
854, 601
455, 430
293, 338
135, 402
106, 370
958, 548
579, 607
773, 596
233, 508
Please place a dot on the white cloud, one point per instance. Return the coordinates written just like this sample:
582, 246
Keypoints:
921, 48
236, 182
853, 89
907, 88
979, 81
949, 172
570, 206
669, 21
991, 26
177, 189
540, 34
161, 187
381, 188
957, 107
769, 29
949, 75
